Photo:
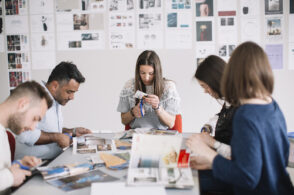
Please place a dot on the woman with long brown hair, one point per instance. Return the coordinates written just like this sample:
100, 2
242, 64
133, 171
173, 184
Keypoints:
259, 145
161, 103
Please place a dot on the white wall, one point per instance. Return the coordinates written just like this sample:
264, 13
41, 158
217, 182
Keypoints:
106, 71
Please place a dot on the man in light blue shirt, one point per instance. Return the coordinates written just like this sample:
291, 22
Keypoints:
50, 137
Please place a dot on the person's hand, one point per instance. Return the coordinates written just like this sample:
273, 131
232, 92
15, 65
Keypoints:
206, 138
153, 100
62, 140
201, 149
199, 163
137, 111
30, 161
19, 175
81, 131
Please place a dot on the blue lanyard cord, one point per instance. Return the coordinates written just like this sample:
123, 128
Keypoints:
68, 135
21, 165
141, 107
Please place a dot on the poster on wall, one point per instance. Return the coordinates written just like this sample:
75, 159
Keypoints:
17, 24
178, 25
1, 35
151, 5
150, 30
273, 7
249, 7
291, 28
18, 77
18, 60
121, 5
16, 7
41, 7
274, 30
204, 8
203, 51
204, 31
275, 55
250, 29
80, 5
122, 30
227, 27
178, 4
80, 31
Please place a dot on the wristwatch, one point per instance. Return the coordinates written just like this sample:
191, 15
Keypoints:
216, 145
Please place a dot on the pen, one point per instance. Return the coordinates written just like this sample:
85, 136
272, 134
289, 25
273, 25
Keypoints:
141, 107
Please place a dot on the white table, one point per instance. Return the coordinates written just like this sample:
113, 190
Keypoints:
36, 185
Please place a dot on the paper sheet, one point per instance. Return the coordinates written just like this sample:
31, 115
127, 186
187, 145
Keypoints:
291, 56
122, 189
275, 55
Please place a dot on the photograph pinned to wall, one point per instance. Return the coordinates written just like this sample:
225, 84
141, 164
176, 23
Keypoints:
150, 39
18, 60
68, 5
17, 24
249, 7
1, 10
150, 21
275, 55
122, 40
1, 36
178, 39
204, 8
178, 4
17, 42
15, 78
41, 7
226, 50
273, 7
180, 20
81, 40
93, 5
291, 56
291, 7
42, 23
122, 21
67, 22
43, 59
16, 7
274, 30
43, 41
250, 29
204, 31
149, 4
121, 5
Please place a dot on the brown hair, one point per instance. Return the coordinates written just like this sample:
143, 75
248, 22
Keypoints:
149, 58
31, 89
210, 71
247, 75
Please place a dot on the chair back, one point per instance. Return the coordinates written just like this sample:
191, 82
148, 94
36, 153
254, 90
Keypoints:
11, 141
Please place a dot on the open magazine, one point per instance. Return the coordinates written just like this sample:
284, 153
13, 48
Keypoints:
74, 176
154, 162
90, 143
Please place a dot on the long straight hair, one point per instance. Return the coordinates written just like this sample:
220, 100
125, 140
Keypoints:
247, 75
210, 71
150, 58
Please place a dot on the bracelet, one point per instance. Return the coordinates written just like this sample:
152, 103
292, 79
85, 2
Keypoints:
131, 111
156, 108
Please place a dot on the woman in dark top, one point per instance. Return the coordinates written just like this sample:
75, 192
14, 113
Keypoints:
260, 147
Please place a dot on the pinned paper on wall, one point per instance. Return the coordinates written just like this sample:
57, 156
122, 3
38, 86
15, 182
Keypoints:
274, 29
16, 7
273, 7
275, 55
291, 56
121, 5
204, 8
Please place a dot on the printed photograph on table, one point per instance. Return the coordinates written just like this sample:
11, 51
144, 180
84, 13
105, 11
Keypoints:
121, 5
204, 31
150, 21
149, 4
92, 144
204, 8
273, 7
15, 78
